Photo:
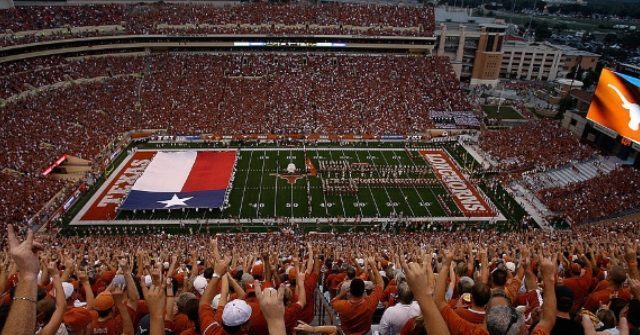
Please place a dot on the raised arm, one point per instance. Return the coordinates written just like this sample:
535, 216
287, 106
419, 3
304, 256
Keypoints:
22, 315
86, 286
302, 296
127, 324
236, 287
441, 283
272, 307
549, 308
132, 291
420, 280
56, 319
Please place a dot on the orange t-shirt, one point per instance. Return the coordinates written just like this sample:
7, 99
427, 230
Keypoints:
291, 316
310, 283
603, 296
210, 320
460, 326
258, 323
110, 326
580, 285
410, 328
470, 315
356, 315
181, 323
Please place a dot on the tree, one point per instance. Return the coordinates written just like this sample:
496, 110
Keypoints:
542, 31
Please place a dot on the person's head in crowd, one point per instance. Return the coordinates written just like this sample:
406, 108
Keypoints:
208, 273
465, 284
191, 310
480, 295
183, 299
77, 321
104, 304
564, 299
607, 317
616, 305
44, 310
351, 272
617, 276
499, 277
356, 289
504, 320
405, 296
236, 316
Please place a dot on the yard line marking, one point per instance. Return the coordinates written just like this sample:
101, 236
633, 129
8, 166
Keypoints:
384, 187
244, 186
419, 195
260, 188
275, 199
326, 210
406, 199
291, 185
344, 210
375, 202
357, 197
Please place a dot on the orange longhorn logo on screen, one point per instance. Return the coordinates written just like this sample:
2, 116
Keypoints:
616, 105
633, 108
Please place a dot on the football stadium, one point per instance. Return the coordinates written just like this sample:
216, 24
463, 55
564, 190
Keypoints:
311, 167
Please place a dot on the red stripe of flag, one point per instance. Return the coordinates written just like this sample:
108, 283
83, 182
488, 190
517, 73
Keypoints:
211, 171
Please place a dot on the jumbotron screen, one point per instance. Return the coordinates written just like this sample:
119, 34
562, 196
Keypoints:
616, 104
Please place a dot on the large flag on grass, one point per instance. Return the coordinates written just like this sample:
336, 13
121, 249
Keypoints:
189, 179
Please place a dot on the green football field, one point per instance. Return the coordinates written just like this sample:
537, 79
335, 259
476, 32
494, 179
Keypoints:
258, 192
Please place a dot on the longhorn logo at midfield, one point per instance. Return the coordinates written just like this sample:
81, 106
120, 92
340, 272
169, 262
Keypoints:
633, 108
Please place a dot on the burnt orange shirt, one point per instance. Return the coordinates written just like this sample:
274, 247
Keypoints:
580, 285
603, 296
471, 316
356, 315
310, 283
460, 326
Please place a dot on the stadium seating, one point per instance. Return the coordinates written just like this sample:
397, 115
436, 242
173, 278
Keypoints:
89, 101
536, 145
26, 24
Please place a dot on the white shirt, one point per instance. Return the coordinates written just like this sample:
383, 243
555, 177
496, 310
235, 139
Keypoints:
395, 317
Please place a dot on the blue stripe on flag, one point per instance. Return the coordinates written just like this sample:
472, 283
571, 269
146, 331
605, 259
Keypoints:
173, 200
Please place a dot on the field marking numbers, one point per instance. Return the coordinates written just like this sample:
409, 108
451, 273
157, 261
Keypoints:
400, 188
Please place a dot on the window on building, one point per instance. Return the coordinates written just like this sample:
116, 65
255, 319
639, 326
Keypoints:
490, 41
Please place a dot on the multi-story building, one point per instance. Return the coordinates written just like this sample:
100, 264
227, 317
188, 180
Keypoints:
474, 44
530, 61
480, 53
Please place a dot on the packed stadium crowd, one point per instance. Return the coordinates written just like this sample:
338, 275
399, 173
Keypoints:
182, 19
473, 282
534, 146
595, 198
190, 94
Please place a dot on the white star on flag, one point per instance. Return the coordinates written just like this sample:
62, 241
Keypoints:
175, 201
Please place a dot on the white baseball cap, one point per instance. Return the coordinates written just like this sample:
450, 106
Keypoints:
236, 313
68, 289
511, 266
200, 284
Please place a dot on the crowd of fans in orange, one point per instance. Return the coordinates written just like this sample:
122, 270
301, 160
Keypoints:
534, 146
192, 94
595, 198
248, 18
473, 282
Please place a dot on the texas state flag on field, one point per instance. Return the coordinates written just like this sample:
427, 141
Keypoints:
189, 179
